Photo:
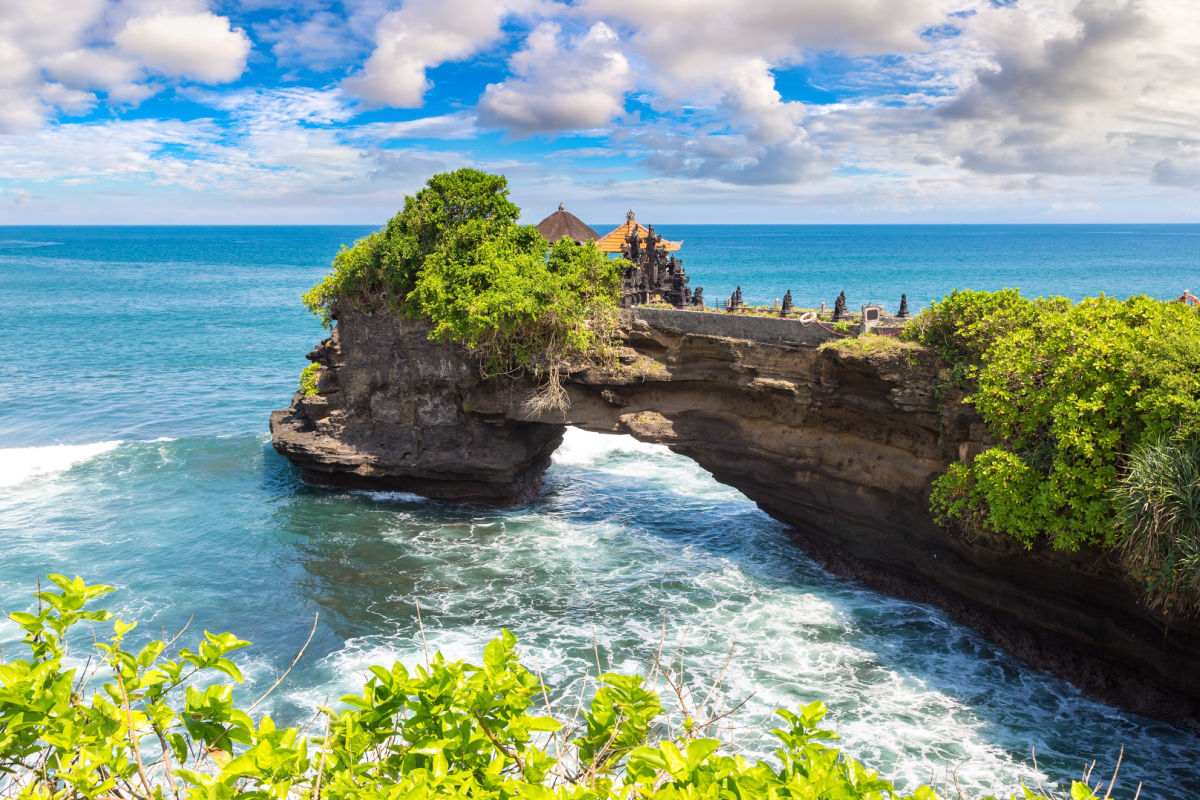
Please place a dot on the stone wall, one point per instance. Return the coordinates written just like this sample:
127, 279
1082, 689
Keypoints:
740, 326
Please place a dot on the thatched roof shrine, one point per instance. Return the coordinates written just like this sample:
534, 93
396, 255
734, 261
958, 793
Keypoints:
563, 223
614, 240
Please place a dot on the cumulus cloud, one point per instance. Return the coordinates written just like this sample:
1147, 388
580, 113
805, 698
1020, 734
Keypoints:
203, 46
1080, 88
560, 85
718, 58
61, 54
28, 33
421, 35
92, 68
688, 44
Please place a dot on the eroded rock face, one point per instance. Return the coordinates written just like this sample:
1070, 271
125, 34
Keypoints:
393, 412
841, 446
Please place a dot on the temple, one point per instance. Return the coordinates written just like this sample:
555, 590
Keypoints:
655, 276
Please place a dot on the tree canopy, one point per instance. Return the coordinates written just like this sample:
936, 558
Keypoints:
456, 255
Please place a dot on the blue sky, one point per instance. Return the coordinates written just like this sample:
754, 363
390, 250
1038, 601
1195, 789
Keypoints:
329, 111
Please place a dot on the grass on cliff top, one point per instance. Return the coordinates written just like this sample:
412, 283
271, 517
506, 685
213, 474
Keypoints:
456, 256
158, 723
870, 343
1094, 406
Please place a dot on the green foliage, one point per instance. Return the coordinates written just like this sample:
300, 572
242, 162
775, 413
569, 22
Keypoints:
518, 302
1158, 504
308, 379
456, 256
1068, 391
161, 727
385, 265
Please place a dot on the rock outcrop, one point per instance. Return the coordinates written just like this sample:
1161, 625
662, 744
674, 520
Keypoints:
840, 444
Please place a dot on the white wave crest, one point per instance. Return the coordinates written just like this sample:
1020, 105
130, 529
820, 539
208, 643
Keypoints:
26, 243
584, 448
390, 497
19, 464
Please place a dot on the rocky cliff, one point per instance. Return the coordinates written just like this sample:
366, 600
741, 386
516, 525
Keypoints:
840, 444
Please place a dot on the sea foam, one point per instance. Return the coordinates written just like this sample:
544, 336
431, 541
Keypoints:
584, 448
19, 464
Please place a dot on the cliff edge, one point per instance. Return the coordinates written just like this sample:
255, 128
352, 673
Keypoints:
840, 444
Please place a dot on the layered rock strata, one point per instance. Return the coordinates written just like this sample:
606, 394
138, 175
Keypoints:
840, 445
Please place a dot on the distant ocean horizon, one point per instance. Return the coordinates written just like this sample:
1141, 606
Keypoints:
872, 263
142, 364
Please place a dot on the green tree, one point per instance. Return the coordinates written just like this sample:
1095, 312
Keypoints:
456, 256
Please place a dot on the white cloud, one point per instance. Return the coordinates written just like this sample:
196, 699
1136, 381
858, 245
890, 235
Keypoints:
72, 101
688, 44
421, 35
203, 46
92, 68
446, 127
560, 86
273, 108
58, 54
1089, 87
319, 42
717, 59
28, 33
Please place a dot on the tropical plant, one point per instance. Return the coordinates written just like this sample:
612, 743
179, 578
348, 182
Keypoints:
308, 379
161, 726
1158, 505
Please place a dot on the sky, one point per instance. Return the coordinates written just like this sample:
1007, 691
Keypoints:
689, 111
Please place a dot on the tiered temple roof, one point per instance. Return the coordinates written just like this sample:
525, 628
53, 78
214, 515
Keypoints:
614, 240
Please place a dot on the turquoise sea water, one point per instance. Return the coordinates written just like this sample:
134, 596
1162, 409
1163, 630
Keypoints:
141, 366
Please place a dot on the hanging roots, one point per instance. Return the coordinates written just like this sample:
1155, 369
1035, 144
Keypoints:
550, 397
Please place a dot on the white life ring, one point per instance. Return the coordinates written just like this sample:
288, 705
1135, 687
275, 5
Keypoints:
808, 317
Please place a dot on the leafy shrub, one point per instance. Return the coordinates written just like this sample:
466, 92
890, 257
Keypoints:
1158, 504
965, 323
169, 727
308, 379
1068, 391
456, 256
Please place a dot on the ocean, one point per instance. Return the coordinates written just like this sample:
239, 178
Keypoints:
141, 365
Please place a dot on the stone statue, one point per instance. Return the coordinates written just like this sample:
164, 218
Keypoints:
698, 297
839, 307
787, 304
903, 312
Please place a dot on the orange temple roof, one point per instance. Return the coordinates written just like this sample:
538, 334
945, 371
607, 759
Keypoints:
612, 241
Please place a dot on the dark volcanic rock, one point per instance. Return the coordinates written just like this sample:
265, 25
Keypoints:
392, 413
842, 446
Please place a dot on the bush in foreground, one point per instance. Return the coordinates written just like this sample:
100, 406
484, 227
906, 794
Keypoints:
160, 727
